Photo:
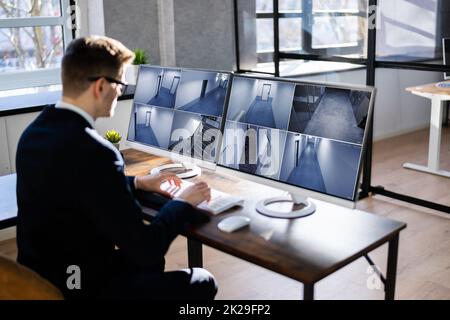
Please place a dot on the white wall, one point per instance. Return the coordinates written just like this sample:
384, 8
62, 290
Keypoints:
396, 110
5, 165
15, 125
118, 122
357, 77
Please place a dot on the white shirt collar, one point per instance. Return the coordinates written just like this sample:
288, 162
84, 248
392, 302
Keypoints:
81, 112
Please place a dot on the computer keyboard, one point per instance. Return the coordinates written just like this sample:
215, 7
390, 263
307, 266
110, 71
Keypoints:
444, 84
219, 202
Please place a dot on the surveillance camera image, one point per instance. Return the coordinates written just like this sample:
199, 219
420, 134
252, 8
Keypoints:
195, 135
179, 110
253, 149
322, 165
319, 130
203, 92
261, 102
331, 113
157, 86
148, 125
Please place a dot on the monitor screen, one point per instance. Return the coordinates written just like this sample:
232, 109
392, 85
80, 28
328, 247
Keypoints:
305, 135
179, 110
446, 47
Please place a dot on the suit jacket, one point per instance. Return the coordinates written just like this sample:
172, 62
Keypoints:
76, 205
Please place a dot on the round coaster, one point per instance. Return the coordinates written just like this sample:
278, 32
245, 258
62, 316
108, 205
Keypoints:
182, 170
308, 209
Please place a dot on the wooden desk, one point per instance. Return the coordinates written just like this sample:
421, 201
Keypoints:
307, 249
437, 96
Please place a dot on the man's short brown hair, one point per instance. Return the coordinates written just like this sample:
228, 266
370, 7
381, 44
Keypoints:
90, 57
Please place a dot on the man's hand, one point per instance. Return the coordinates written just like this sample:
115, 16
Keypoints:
152, 182
196, 194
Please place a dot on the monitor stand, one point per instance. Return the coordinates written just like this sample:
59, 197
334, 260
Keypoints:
184, 170
308, 207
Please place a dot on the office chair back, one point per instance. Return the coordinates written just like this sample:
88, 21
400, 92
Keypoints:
20, 283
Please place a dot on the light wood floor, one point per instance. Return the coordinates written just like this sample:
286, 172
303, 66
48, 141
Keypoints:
389, 156
424, 252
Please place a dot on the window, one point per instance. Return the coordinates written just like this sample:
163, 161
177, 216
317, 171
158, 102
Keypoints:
412, 31
265, 35
321, 27
33, 35
264, 6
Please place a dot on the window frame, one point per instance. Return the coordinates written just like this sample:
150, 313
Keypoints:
371, 63
40, 77
307, 15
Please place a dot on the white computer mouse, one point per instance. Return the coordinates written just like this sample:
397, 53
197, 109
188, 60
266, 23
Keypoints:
233, 223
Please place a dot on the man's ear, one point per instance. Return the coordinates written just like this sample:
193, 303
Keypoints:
98, 87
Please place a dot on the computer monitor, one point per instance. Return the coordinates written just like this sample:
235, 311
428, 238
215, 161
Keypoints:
446, 55
296, 135
178, 113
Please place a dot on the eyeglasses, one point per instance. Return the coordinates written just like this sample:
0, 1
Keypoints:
123, 87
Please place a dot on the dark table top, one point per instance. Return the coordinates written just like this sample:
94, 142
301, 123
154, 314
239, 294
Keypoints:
306, 249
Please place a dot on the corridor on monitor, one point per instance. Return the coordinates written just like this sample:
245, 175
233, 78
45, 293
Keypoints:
179, 110
303, 134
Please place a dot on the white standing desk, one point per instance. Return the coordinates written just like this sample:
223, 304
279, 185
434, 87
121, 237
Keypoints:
438, 96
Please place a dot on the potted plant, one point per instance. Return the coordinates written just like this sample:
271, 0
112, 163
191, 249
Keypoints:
141, 57
114, 137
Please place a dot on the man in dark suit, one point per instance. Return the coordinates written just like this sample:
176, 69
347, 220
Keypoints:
79, 225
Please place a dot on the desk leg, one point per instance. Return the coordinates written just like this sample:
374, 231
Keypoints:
391, 269
308, 291
195, 254
434, 144
434, 149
